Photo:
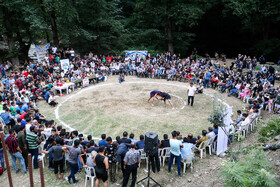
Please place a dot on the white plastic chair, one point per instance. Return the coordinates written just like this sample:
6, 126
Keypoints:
202, 147
143, 157
89, 175
159, 155
66, 159
210, 144
117, 165
165, 153
42, 144
40, 157
187, 160
2, 122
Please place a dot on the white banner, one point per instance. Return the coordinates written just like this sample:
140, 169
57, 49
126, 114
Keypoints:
132, 54
85, 82
222, 140
41, 51
64, 64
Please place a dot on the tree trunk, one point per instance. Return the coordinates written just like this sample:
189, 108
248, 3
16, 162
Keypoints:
169, 35
54, 28
10, 37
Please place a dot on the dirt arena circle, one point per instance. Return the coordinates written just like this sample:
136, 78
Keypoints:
112, 108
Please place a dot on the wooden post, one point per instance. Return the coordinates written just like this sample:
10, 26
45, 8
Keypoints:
41, 173
6, 159
30, 170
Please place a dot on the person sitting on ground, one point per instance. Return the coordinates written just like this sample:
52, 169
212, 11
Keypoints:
187, 149
121, 79
140, 144
199, 89
52, 101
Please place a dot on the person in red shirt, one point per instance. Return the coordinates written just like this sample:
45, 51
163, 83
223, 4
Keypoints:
15, 151
19, 84
25, 74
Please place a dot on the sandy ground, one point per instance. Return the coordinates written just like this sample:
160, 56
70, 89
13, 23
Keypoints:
112, 108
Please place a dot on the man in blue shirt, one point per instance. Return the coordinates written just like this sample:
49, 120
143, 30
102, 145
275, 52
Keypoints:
3, 72
7, 118
131, 137
239, 114
207, 79
215, 130
140, 144
103, 142
47, 95
25, 106
228, 85
19, 108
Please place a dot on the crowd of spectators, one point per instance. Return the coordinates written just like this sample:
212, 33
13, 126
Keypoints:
29, 131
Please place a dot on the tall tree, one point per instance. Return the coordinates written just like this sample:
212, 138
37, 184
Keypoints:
163, 23
262, 19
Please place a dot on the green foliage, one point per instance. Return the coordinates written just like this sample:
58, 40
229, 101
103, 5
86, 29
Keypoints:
259, 17
253, 171
270, 130
218, 114
112, 26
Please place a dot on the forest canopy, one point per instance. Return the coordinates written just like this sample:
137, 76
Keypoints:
111, 26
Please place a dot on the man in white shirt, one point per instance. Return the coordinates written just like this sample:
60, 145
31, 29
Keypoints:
191, 93
54, 49
211, 133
